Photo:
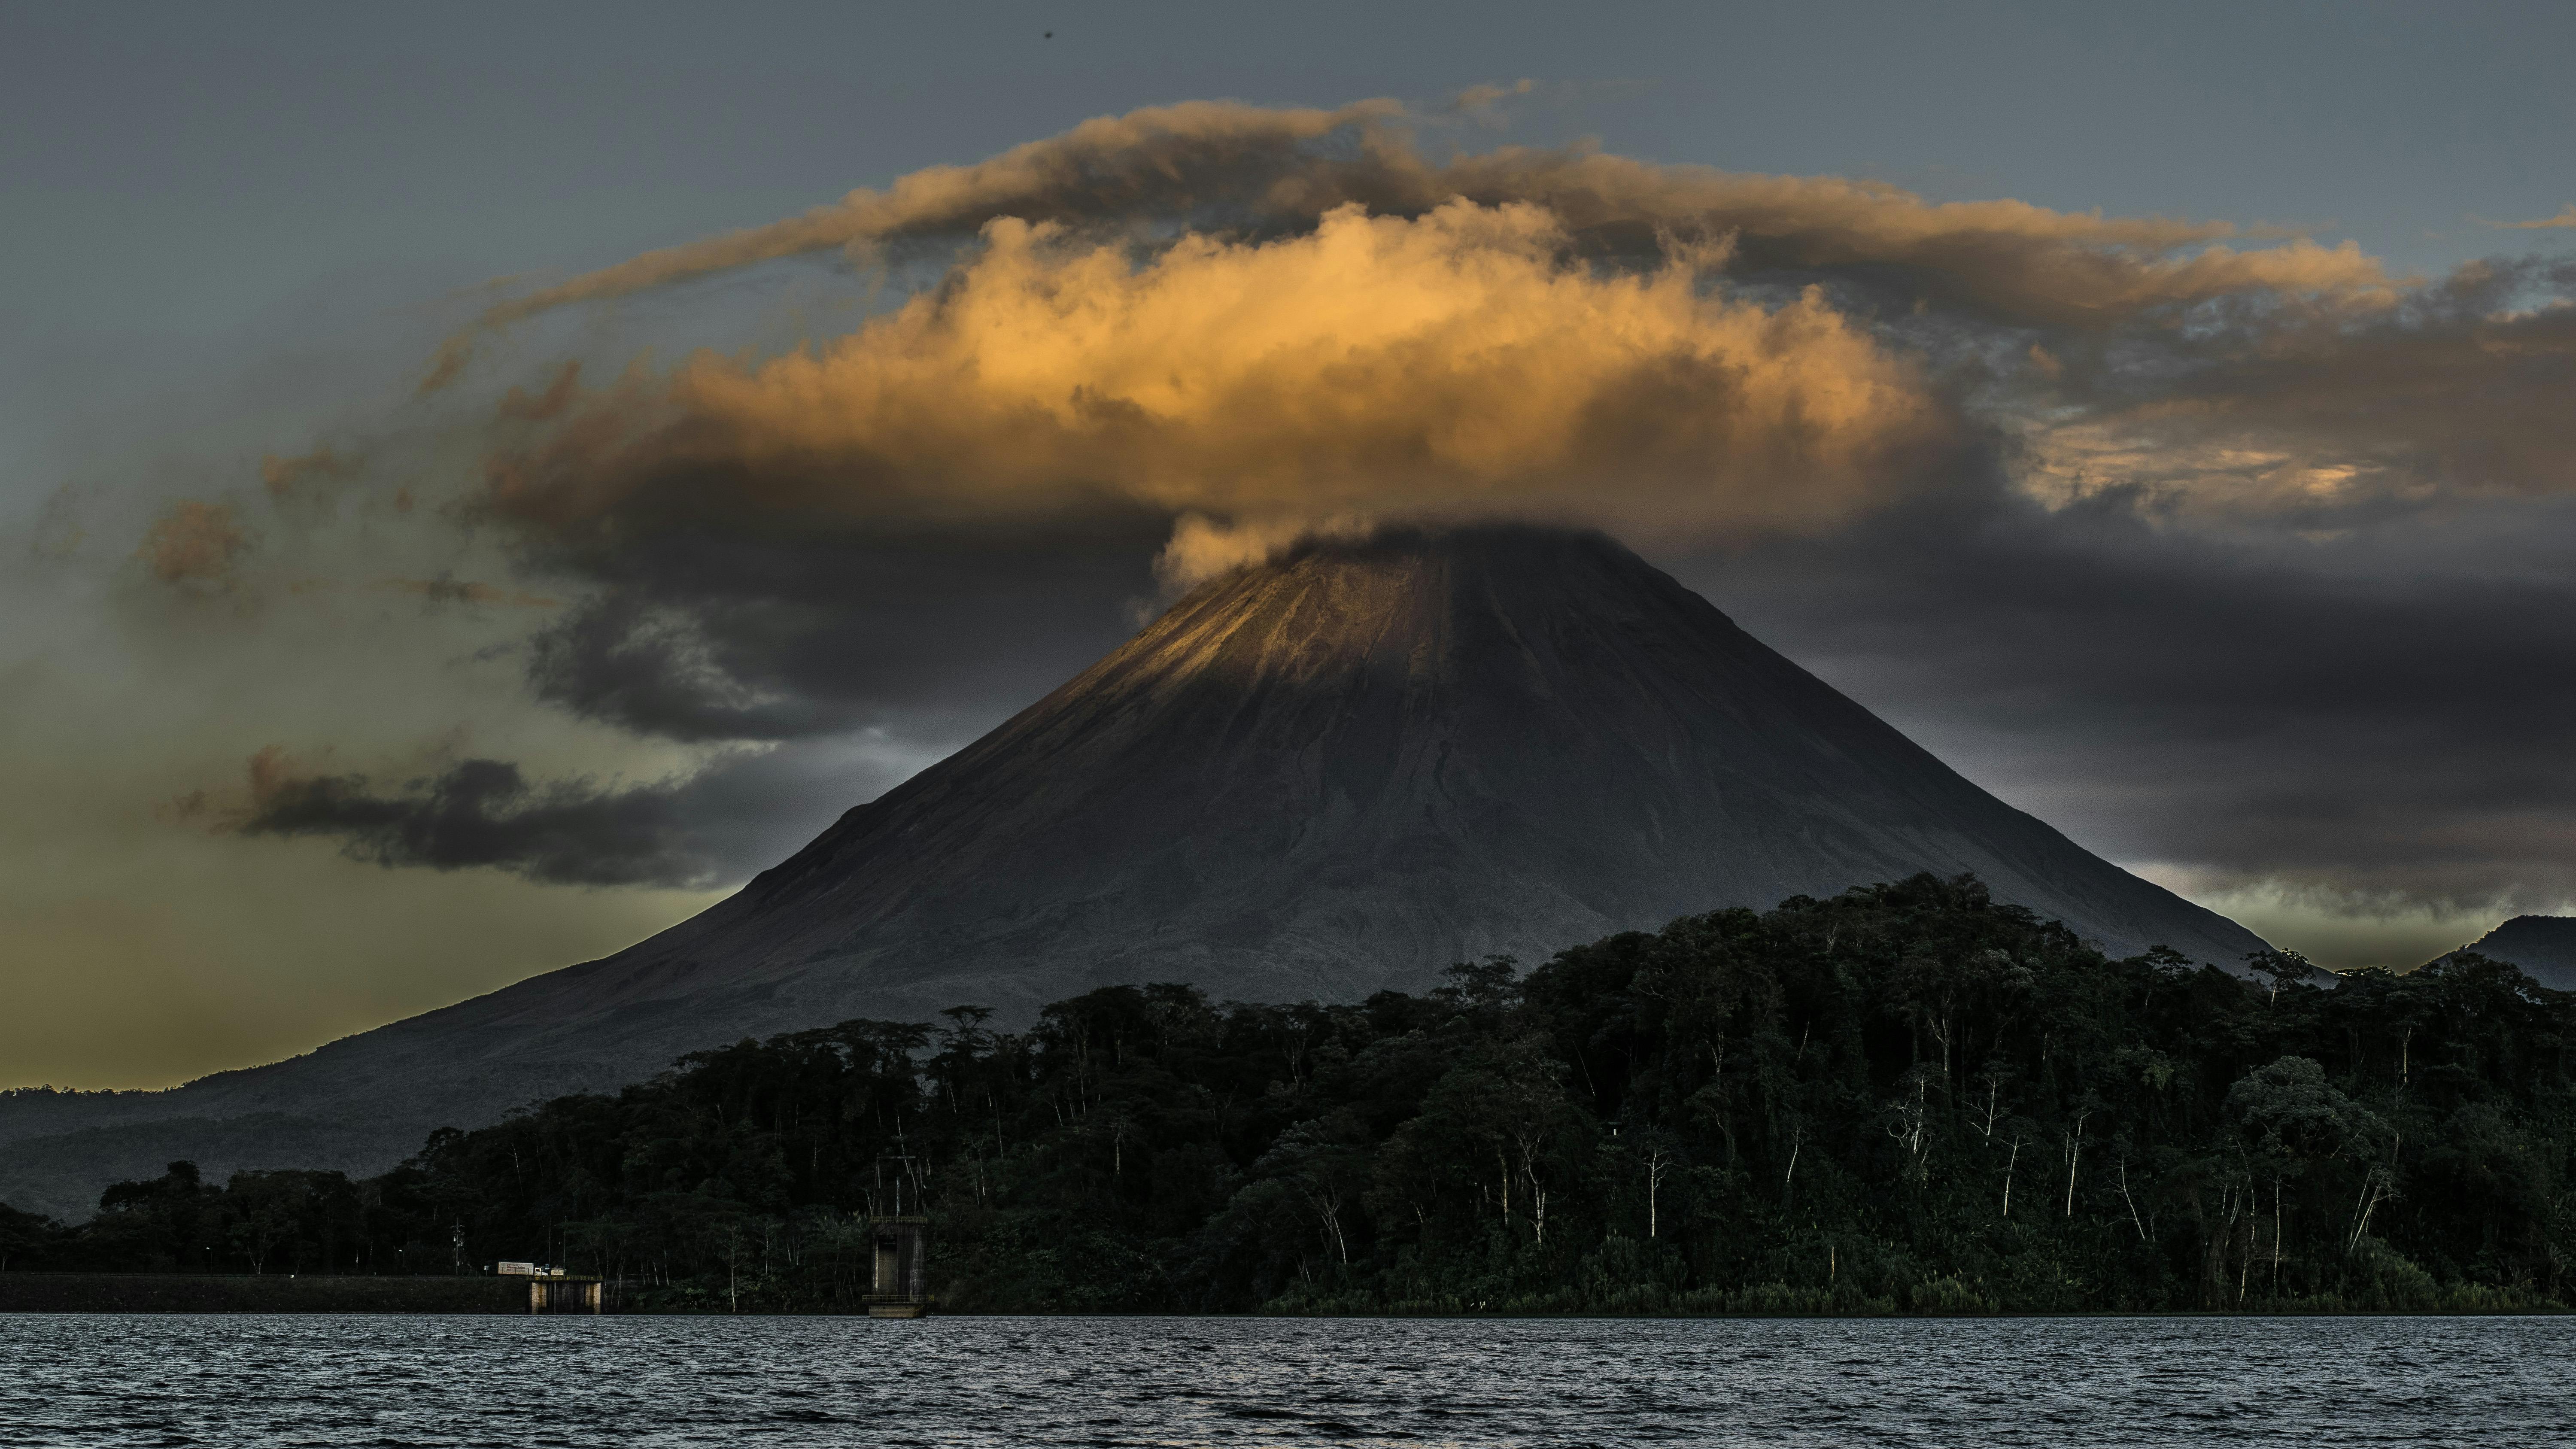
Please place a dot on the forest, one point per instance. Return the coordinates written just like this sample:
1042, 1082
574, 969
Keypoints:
1907, 1099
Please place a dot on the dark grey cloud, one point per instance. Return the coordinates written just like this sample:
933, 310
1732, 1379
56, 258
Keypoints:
698, 630
2288, 603
2385, 716
711, 826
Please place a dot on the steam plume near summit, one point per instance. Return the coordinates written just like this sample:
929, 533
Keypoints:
2021, 477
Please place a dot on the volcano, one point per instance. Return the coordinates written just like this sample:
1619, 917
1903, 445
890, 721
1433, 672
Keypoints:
1340, 771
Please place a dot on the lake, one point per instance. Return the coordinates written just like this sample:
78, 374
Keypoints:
334, 1380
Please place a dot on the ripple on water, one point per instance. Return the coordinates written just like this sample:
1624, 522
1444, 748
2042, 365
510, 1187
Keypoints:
247, 1380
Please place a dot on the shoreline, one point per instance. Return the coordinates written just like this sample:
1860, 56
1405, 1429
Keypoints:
75, 1292
213, 1293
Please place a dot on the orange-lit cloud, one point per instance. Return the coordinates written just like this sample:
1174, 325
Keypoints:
193, 542
539, 407
2467, 398
1257, 171
1144, 161
2566, 217
272, 773
1456, 363
285, 476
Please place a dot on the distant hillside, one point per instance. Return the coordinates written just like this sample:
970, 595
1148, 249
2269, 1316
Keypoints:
2543, 946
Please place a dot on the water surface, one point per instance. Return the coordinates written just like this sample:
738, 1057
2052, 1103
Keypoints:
306, 1379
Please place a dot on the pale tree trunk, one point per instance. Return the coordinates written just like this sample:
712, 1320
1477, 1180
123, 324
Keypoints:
1328, 1206
2374, 1191
2245, 1260
2074, 1154
1529, 1144
1658, 1163
2132, 1202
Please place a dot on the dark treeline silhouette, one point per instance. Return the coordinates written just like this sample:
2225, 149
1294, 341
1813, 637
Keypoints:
1907, 1098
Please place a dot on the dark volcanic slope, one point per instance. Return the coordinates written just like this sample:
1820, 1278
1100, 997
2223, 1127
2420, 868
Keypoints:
2543, 946
1337, 772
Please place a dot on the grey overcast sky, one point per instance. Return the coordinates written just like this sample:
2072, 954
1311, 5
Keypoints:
308, 720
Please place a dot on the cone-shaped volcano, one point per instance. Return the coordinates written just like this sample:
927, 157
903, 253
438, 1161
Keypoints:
1339, 771
1353, 766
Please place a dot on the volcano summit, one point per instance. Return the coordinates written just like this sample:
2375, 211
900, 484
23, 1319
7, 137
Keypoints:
1339, 771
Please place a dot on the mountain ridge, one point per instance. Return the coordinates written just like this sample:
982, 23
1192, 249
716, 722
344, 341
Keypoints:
2543, 946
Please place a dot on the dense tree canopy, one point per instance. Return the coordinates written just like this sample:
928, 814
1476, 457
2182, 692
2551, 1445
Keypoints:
1907, 1098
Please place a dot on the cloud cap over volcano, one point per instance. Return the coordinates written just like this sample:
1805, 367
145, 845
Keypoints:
1454, 363
1268, 170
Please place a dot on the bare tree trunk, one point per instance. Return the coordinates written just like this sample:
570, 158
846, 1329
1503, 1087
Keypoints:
1328, 1206
2132, 1202
2245, 1261
2375, 1190
1657, 1164
2074, 1154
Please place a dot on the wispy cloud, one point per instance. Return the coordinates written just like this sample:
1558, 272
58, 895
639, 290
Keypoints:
194, 542
2566, 217
1258, 170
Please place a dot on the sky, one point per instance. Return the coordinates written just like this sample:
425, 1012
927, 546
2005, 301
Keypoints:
476, 484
